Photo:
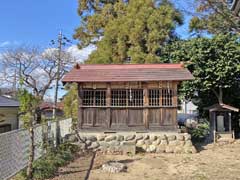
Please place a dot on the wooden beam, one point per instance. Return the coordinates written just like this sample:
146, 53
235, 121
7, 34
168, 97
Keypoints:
145, 104
108, 104
214, 127
230, 121
80, 103
175, 97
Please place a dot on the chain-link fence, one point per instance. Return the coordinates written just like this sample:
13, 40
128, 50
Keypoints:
14, 145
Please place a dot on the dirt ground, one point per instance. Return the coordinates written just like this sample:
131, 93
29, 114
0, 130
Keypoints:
212, 162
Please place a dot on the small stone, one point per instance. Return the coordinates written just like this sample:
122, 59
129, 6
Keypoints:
83, 138
92, 138
161, 149
187, 136
171, 137
164, 142
181, 143
103, 144
178, 150
140, 143
190, 149
139, 136
94, 145
147, 142
114, 167
188, 143
88, 143
153, 138
114, 143
180, 137
193, 150
187, 149
82, 145
110, 138
128, 143
173, 143
120, 138
130, 137
144, 147
145, 137
70, 137
157, 142
152, 148
169, 149
162, 137
101, 137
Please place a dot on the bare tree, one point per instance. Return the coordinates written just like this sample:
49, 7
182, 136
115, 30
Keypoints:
33, 69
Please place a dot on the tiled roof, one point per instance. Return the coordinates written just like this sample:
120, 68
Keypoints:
128, 72
7, 102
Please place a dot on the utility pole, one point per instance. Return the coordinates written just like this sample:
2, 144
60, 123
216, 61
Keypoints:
60, 43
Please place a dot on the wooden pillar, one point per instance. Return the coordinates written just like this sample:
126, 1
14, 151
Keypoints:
145, 104
108, 104
230, 124
80, 106
175, 104
214, 126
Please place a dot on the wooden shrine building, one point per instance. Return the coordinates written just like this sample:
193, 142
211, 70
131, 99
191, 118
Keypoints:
128, 96
222, 126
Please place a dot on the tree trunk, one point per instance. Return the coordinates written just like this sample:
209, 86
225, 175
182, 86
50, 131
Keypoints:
31, 151
220, 99
219, 95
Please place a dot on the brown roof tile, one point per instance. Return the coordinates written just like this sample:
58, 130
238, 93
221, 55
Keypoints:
128, 72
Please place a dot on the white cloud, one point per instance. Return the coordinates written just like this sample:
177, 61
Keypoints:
81, 54
5, 43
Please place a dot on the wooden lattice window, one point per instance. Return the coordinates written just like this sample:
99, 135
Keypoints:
127, 97
154, 97
135, 97
94, 97
100, 98
119, 97
167, 96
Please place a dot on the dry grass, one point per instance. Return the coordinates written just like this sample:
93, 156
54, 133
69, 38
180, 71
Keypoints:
213, 163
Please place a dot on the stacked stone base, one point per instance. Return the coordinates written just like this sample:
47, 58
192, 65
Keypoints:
121, 143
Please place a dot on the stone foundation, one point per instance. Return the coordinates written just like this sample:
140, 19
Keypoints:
126, 142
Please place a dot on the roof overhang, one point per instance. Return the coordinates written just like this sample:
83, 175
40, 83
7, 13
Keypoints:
221, 107
128, 73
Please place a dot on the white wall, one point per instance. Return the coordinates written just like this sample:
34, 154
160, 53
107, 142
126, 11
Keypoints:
188, 108
10, 116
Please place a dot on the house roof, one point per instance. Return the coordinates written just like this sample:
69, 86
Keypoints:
7, 102
221, 107
50, 105
127, 72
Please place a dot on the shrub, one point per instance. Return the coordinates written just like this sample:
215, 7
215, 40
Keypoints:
69, 147
44, 169
46, 166
200, 132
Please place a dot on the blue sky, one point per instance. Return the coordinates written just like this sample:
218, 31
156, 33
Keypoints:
37, 22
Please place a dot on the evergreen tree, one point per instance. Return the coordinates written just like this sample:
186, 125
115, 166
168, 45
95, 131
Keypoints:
215, 64
127, 29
